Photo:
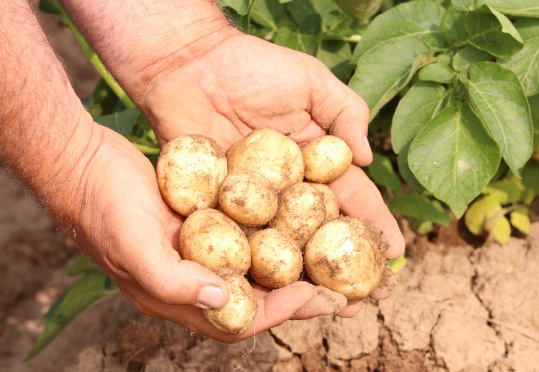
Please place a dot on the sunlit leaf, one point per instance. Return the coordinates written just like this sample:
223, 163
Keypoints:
478, 212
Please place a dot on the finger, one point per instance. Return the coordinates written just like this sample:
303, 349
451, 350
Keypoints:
359, 197
324, 302
161, 272
341, 111
351, 309
387, 285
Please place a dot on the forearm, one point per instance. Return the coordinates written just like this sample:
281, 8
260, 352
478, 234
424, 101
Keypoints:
45, 134
139, 39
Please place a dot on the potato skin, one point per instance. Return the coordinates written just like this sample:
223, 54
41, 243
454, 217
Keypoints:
238, 315
330, 201
276, 259
213, 239
300, 213
189, 171
248, 197
346, 255
269, 153
326, 159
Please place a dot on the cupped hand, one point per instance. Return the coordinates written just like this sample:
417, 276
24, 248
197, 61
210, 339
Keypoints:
245, 83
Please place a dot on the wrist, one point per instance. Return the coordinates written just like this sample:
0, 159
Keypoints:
139, 41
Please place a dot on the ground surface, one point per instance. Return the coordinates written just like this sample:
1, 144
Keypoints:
459, 307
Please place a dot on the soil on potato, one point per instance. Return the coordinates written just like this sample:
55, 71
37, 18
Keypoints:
461, 305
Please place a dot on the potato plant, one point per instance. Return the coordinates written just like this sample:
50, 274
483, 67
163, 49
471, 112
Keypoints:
453, 89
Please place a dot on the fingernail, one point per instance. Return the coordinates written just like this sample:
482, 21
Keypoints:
367, 145
210, 297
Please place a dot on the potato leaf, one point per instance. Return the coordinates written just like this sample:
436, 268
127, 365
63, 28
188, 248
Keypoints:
85, 293
468, 55
120, 122
525, 63
267, 12
497, 98
82, 265
520, 220
328, 10
499, 229
454, 157
397, 264
478, 212
418, 206
415, 19
437, 72
507, 191
382, 172
240, 6
519, 8
384, 70
336, 54
305, 38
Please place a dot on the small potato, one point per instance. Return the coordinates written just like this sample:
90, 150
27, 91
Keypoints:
213, 239
300, 213
330, 201
238, 315
276, 260
248, 198
269, 153
189, 172
346, 255
326, 159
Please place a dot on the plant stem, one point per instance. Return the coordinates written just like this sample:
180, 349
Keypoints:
351, 39
96, 62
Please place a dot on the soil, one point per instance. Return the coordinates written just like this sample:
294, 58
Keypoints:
461, 305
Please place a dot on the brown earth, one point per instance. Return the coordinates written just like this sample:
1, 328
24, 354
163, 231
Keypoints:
461, 305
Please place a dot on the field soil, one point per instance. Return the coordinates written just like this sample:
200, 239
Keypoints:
462, 304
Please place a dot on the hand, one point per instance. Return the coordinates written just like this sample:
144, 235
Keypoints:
246, 83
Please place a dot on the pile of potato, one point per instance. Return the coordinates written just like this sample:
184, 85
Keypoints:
251, 211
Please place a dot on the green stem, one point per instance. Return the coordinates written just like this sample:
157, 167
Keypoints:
147, 150
96, 62
351, 39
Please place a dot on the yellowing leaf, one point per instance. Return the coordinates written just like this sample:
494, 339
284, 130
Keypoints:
520, 220
397, 264
507, 191
479, 211
499, 229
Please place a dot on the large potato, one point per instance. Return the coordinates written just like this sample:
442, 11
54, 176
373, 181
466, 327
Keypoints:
213, 239
326, 159
346, 255
300, 213
189, 172
238, 315
276, 260
269, 153
248, 198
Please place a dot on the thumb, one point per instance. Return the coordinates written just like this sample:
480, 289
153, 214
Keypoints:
165, 276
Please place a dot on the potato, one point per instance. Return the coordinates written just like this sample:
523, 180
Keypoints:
238, 315
330, 201
346, 255
326, 159
189, 172
213, 239
276, 260
248, 198
269, 153
300, 213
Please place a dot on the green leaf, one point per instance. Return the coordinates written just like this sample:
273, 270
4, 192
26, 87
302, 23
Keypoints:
421, 227
530, 176
285, 1
437, 72
468, 55
507, 25
418, 206
382, 172
387, 68
397, 264
240, 6
414, 19
507, 191
499, 228
454, 157
478, 212
534, 109
336, 56
466, 5
444, 59
82, 265
497, 98
267, 12
483, 31
82, 295
406, 172
120, 122
361, 9
419, 105
519, 8
50, 6
525, 63
305, 38
328, 10
520, 220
